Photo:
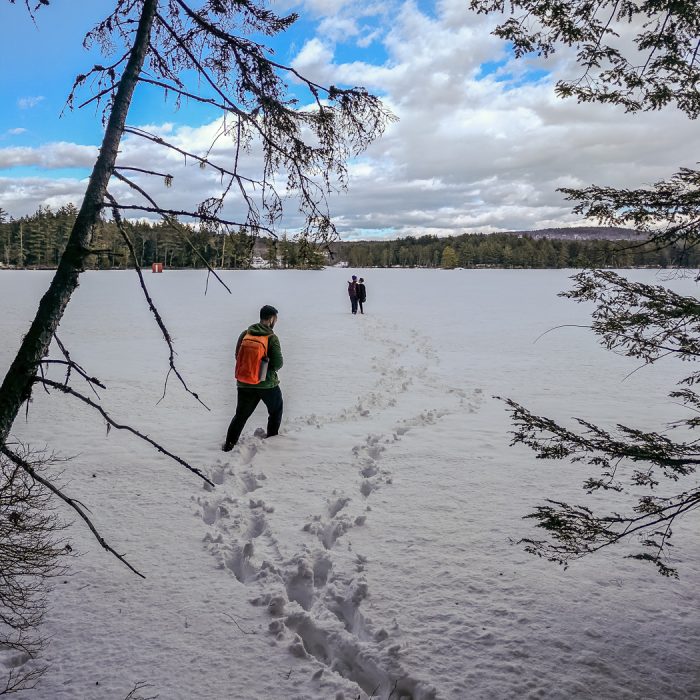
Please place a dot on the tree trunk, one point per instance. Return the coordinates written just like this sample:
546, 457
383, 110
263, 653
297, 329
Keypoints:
17, 386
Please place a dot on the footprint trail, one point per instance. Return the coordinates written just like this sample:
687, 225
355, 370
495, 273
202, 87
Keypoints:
300, 568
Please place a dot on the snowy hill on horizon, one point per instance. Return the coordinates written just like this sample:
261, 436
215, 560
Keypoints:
583, 233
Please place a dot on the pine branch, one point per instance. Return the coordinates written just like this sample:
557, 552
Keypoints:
577, 531
637, 319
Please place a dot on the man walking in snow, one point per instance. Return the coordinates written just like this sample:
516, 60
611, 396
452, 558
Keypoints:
258, 348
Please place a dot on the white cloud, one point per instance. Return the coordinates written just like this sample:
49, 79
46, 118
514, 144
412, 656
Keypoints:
23, 195
338, 28
20, 196
16, 132
470, 153
327, 9
29, 102
368, 37
313, 57
500, 148
50, 156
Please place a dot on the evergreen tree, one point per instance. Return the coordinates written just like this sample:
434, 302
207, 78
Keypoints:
449, 258
271, 252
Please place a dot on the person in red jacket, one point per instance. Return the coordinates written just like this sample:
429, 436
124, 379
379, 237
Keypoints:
267, 389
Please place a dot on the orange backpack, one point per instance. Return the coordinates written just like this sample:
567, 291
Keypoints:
252, 351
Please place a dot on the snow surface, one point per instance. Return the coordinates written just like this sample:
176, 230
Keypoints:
370, 549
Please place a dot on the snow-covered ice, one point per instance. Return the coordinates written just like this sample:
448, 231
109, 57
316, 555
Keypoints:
369, 550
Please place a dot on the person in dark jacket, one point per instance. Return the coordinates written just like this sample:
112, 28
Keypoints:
352, 293
267, 391
361, 294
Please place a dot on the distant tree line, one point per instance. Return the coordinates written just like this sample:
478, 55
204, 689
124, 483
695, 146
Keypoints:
508, 250
37, 241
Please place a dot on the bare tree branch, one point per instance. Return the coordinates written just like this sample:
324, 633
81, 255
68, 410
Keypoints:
175, 224
70, 501
167, 213
166, 176
74, 365
152, 306
119, 426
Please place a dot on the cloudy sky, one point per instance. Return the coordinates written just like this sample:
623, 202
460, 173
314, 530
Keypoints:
481, 143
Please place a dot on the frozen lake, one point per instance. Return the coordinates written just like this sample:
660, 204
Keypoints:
368, 550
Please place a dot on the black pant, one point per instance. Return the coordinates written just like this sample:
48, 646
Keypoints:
248, 400
360, 302
353, 304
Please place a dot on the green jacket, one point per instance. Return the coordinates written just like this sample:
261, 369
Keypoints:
274, 353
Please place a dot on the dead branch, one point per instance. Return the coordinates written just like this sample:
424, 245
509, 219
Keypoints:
233, 619
74, 365
176, 225
99, 95
253, 222
192, 96
134, 693
152, 307
186, 154
166, 176
27, 467
232, 41
23, 680
167, 213
305, 183
119, 426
